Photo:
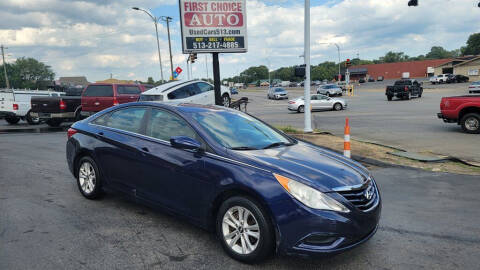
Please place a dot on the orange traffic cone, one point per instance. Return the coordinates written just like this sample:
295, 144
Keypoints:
346, 144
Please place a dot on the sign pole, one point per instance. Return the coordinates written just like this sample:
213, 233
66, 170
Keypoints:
307, 109
216, 79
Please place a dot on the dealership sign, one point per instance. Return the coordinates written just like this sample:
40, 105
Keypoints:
213, 26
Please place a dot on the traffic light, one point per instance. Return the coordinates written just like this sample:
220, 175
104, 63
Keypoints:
348, 63
193, 57
413, 3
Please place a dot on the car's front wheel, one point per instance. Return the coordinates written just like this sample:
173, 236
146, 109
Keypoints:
244, 229
89, 179
471, 123
337, 107
301, 109
32, 120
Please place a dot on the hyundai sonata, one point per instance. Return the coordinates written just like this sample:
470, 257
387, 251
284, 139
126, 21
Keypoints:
260, 190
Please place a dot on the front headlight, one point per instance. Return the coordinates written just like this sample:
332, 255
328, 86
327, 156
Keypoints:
310, 196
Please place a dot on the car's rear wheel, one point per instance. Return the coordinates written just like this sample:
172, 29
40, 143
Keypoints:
337, 107
12, 120
54, 122
471, 123
89, 179
389, 98
245, 230
407, 97
226, 100
301, 109
32, 120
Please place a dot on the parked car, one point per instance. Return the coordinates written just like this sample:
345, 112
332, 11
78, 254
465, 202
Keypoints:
15, 105
57, 109
318, 102
195, 91
371, 79
404, 89
233, 91
362, 80
330, 90
293, 84
463, 110
277, 93
474, 87
258, 189
342, 85
99, 96
439, 79
380, 79
457, 78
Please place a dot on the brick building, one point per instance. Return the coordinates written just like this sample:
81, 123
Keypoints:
417, 69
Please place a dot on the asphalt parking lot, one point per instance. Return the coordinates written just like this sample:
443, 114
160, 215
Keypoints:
411, 125
429, 221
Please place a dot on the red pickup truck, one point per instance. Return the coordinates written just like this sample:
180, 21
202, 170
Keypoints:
463, 110
99, 96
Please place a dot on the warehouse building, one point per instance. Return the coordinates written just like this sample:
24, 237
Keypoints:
447, 68
470, 68
417, 69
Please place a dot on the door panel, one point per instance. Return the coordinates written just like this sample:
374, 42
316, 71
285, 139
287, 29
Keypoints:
97, 97
128, 93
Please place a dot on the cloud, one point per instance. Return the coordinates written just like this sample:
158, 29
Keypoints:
96, 38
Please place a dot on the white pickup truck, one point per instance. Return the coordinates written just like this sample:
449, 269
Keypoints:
439, 79
15, 104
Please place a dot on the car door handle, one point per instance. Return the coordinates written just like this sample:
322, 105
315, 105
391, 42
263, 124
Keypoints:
100, 133
145, 149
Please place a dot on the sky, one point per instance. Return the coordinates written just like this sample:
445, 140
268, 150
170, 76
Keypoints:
97, 38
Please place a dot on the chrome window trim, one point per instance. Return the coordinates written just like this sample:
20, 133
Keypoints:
354, 187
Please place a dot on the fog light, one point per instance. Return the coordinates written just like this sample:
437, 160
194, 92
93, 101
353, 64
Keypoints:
319, 240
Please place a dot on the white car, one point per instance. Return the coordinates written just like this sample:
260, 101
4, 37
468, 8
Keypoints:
318, 102
439, 79
15, 104
196, 91
474, 88
330, 90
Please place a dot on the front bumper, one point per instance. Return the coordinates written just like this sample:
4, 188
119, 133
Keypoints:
309, 233
293, 107
69, 115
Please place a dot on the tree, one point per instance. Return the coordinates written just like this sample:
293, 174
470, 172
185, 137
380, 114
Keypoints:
150, 80
393, 57
27, 73
473, 45
438, 52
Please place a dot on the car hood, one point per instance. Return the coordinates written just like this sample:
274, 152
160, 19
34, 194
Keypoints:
312, 165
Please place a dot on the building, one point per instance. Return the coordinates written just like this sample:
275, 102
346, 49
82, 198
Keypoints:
470, 68
80, 81
447, 68
117, 81
417, 69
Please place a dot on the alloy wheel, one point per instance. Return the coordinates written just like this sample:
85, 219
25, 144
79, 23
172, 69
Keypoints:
240, 230
472, 124
87, 177
226, 101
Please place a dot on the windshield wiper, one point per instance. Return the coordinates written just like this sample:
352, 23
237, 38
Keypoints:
276, 144
243, 148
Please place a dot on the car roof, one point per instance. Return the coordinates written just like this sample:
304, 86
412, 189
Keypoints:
167, 86
178, 106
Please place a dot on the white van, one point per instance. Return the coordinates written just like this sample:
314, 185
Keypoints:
196, 91
15, 104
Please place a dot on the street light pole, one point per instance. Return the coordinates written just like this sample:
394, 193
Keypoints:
307, 110
168, 20
339, 73
5, 67
155, 21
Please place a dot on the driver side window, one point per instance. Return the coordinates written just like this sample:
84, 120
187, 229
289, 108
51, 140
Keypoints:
164, 125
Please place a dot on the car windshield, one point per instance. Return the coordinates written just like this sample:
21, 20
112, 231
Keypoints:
239, 131
476, 83
279, 90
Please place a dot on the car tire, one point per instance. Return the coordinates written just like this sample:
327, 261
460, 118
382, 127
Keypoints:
234, 234
420, 95
54, 122
337, 106
31, 120
389, 98
433, 82
328, 94
407, 97
78, 114
226, 100
89, 179
471, 123
301, 109
12, 120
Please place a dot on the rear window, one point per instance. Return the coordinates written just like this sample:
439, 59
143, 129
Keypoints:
184, 92
403, 83
99, 91
151, 98
128, 90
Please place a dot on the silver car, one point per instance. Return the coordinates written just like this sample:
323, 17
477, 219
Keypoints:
318, 102
474, 87
277, 93
329, 90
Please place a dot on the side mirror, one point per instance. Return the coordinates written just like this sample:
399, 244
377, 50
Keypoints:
187, 143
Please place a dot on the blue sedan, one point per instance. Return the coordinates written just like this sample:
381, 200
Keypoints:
260, 190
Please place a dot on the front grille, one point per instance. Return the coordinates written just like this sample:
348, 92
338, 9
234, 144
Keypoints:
358, 196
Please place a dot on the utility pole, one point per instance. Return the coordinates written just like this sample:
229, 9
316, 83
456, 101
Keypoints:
206, 64
168, 20
339, 73
307, 110
155, 21
5, 66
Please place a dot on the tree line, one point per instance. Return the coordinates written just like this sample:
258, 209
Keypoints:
328, 70
27, 73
